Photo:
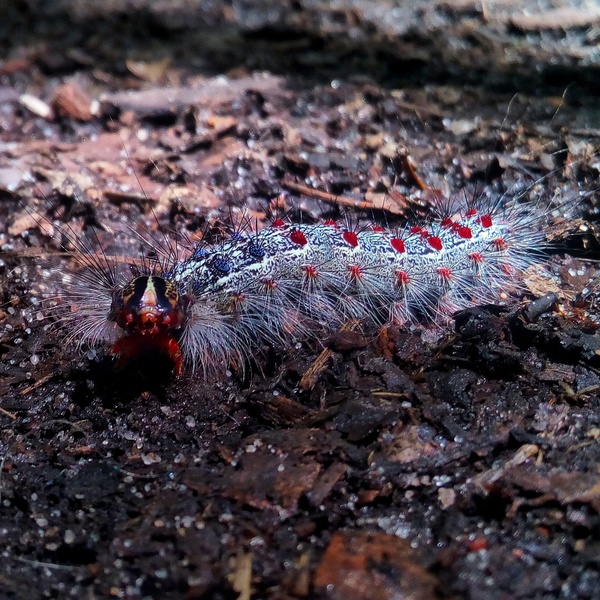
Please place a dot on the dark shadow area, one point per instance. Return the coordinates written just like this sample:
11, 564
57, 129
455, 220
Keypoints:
309, 42
148, 374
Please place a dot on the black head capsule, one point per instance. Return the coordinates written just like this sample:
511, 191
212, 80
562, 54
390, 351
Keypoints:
150, 310
148, 304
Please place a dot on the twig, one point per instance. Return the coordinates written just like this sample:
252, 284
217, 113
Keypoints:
378, 201
8, 414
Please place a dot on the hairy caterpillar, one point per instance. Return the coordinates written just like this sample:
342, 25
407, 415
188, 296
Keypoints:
218, 302
291, 280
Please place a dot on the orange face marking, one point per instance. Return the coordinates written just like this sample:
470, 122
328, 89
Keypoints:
149, 297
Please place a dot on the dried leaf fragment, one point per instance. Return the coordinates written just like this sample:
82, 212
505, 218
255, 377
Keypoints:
70, 100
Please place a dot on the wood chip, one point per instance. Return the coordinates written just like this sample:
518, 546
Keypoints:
358, 565
70, 100
37, 106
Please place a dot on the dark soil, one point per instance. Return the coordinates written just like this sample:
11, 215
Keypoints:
377, 464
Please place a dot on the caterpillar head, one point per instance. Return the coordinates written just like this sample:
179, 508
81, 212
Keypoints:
150, 310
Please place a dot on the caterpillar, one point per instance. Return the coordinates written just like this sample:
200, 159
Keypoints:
218, 303
288, 281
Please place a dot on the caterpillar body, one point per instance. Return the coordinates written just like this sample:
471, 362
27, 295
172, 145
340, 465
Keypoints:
216, 304
287, 281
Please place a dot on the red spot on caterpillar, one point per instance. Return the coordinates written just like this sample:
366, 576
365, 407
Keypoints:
435, 242
448, 222
476, 257
351, 238
416, 229
499, 244
330, 223
403, 278
310, 271
278, 223
377, 228
464, 232
471, 213
237, 298
270, 284
355, 271
298, 237
445, 273
485, 221
398, 245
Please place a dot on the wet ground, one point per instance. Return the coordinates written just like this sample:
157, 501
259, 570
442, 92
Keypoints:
377, 464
